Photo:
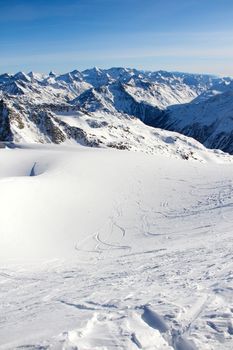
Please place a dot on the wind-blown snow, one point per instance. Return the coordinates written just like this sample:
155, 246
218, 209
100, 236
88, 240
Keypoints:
105, 249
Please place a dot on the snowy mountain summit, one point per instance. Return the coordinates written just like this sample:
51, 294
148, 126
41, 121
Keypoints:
110, 107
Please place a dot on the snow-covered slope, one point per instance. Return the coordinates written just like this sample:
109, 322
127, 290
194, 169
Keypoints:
219, 87
98, 128
32, 106
210, 120
108, 249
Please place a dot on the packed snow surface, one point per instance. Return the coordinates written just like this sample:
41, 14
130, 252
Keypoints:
111, 249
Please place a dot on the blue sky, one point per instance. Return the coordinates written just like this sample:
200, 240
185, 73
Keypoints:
62, 35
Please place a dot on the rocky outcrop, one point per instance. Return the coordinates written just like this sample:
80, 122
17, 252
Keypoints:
5, 127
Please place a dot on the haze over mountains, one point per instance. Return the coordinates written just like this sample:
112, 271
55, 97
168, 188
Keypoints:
110, 107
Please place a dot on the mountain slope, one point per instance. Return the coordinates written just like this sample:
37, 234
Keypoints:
32, 107
209, 121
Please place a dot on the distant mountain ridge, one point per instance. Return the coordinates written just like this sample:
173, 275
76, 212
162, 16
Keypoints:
86, 107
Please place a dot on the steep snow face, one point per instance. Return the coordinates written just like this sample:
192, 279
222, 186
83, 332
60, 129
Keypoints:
96, 77
209, 121
160, 95
37, 76
22, 76
107, 249
4, 78
70, 77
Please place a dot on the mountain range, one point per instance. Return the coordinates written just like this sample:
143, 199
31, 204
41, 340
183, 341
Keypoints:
119, 107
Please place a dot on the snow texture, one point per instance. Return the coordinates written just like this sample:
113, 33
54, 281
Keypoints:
109, 249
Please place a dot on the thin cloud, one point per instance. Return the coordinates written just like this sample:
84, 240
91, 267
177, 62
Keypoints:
92, 55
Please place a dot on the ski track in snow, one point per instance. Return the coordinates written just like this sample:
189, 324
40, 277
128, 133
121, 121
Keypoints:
155, 274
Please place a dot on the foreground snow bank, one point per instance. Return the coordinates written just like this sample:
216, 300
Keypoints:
54, 198
127, 250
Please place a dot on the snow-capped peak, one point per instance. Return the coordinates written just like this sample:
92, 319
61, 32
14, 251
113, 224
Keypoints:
22, 76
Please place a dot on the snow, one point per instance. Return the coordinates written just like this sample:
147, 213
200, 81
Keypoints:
161, 95
209, 121
196, 105
120, 131
105, 249
217, 110
128, 245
